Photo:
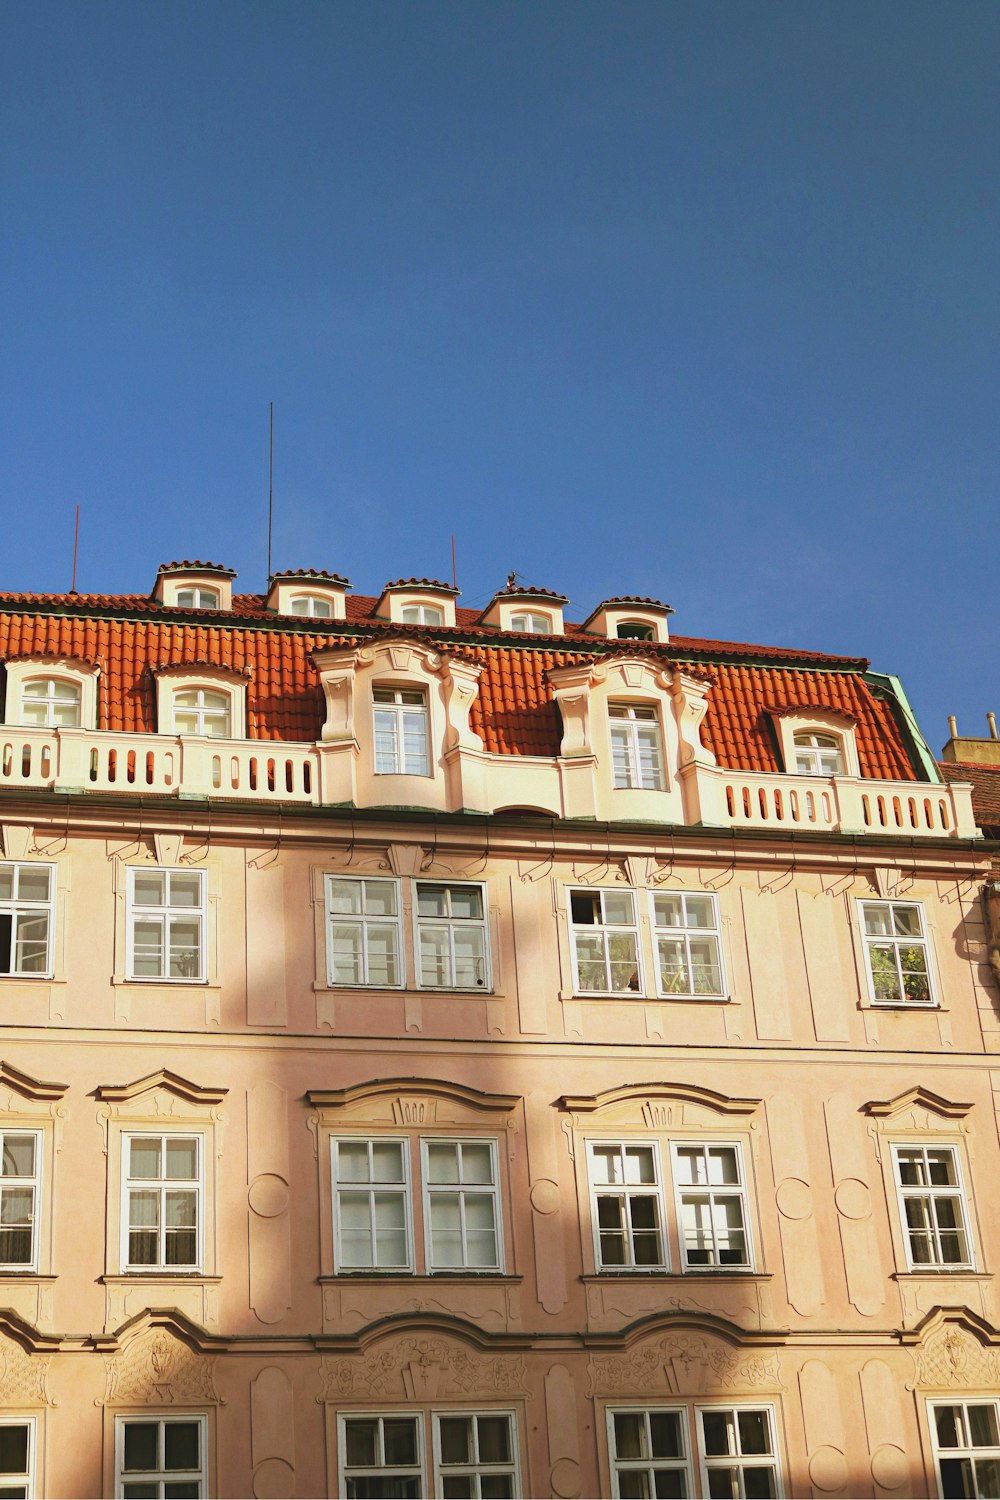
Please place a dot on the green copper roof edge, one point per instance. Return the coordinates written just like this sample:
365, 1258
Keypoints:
920, 752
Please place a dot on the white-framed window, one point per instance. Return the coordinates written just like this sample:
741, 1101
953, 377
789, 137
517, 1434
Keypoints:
965, 1436
635, 630
162, 1190
636, 746
381, 1454
528, 622
161, 1457
688, 944
626, 1201
311, 606
738, 1451
20, 1197
475, 1455
202, 711
364, 932
401, 732
932, 1208
649, 1452
17, 1458
27, 918
604, 934
897, 953
197, 598
421, 614
818, 754
51, 703
371, 1204
461, 1205
713, 1223
166, 911
451, 936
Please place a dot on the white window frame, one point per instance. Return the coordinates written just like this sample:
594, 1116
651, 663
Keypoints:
421, 614
450, 923
648, 1463
50, 700
9, 1481
363, 921
202, 597
607, 930
399, 711
20, 1184
405, 1190
166, 912
737, 1460
206, 713
531, 622
162, 1185
477, 1471
814, 745
316, 607
16, 908
931, 1193
684, 935
969, 1451
161, 1477
626, 723
923, 942
647, 630
626, 1192
739, 1191
345, 1472
430, 1190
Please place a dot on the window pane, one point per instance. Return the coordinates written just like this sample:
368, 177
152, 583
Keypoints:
758, 1483
948, 1422
470, 957
348, 961
18, 1155
639, 1164
182, 1159
722, 1165
33, 882
400, 1440
361, 1439
666, 1436
144, 1158
456, 1440
140, 1445
382, 968
754, 1430
352, 1161
442, 1162
380, 898
717, 1429
877, 921
477, 1162
387, 1157
149, 888
629, 1432
618, 908
983, 1426
185, 890
13, 1448
6, 882
432, 900
435, 956
181, 1208
32, 944
494, 1440
180, 1445
345, 896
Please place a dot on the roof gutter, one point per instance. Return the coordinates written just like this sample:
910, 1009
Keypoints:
920, 751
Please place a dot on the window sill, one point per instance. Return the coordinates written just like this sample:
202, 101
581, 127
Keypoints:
935, 1273
638, 996
168, 984
600, 1278
126, 1278
902, 1006
409, 991
31, 979
22, 1273
408, 1278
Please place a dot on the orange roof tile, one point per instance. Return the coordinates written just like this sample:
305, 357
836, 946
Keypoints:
985, 791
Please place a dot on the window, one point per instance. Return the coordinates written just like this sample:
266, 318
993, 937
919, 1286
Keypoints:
605, 939
371, 1197
200, 711
364, 944
312, 607
197, 598
636, 747
896, 951
712, 1221
401, 732
20, 1175
474, 1455
161, 1221
27, 919
736, 1445
452, 948
421, 614
626, 1207
166, 924
530, 623
688, 945
17, 1458
462, 1210
160, 1457
818, 755
381, 1456
51, 703
932, 1207
649, 1453
966, 1440
634, 630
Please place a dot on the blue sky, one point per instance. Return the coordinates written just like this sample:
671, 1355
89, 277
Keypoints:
698, 300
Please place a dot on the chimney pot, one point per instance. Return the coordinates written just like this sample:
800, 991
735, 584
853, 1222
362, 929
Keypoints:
991, 720
953, 726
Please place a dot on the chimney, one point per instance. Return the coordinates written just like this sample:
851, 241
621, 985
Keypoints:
973, 752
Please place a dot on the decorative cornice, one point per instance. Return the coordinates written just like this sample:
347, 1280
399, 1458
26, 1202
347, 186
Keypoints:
173, 1083
688, 1093
919, 1097
28, 1087
379, 1088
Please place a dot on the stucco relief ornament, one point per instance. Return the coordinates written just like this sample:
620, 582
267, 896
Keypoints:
424, 1368
22, 1377
682, 1365
157, 1369
953, 1357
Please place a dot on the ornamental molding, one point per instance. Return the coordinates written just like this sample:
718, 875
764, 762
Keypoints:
411, 1090
955, 1349
655, 1099
917, 1098
35, 1089
157, 1368
682, 1364
420, 1367
170, 1083
23, 1374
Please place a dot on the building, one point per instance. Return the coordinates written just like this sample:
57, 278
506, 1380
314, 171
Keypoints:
467, 1053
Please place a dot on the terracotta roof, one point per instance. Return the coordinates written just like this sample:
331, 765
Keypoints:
131, 637
985, 791
317, 573
631, 599
422, 583
195, 567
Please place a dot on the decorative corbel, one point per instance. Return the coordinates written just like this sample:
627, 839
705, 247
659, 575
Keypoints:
690, 700
337, 671
461, 685
571, 688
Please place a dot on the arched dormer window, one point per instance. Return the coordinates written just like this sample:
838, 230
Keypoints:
197, 598
51, 703
312, 607
816, 741
530, 622
421, 614
52, 693
818, 754
635, 630
201, 700
636, 746
202, 711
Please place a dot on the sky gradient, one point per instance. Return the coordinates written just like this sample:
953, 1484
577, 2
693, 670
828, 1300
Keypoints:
696, 300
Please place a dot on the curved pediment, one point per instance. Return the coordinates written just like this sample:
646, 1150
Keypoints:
403, 1089
649, 1094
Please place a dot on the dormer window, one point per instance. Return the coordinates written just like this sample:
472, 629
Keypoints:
201, 700
634, 630
818, 754
311, 607
421, 614
636, 746
530, 623
197, 598
201, 711
51, 703
401, 732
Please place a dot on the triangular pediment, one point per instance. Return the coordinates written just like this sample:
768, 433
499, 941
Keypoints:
170, 1083
28, 1087
917, 1098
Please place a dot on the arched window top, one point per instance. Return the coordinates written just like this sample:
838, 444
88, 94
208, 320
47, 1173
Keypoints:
635, 630
312, 606
197, 598
421, 614
530, 622
200, 710
818, 754
51, 703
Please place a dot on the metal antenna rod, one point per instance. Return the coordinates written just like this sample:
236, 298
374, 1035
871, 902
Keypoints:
270, 490
76, 548
454, 570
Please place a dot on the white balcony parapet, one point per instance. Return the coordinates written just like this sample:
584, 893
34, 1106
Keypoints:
81, 760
